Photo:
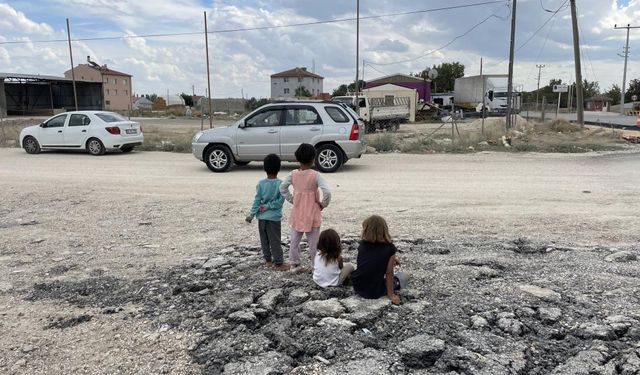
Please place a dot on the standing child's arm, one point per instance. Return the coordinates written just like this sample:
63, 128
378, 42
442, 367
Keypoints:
284, 189
276, 204
256, 204
389, 281
326, 192
340, 262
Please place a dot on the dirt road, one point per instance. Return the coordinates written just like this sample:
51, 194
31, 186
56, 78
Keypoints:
69, 218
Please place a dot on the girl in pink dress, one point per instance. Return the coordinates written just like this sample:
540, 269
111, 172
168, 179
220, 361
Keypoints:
305, 215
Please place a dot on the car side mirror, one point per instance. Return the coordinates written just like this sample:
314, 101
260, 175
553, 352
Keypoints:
242, 125
43, 125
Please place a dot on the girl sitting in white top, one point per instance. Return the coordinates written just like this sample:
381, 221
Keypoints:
328, 268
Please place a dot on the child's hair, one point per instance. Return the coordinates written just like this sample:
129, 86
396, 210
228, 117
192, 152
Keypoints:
272, 164
329, 245
305, 153
375, 229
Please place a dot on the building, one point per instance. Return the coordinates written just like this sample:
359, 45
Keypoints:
422, 86
392, 94
599, 103
285, 84
116, 85
34, 94
141, 102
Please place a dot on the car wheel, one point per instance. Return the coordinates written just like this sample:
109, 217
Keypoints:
95, 147
218, 159
126, 149
329, 158
31, 145
242, 163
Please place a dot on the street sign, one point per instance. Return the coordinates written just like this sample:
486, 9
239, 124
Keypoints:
560, 88
433, 73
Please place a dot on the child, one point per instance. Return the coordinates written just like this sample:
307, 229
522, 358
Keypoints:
267, 206
376, 260
305, 215
328, 268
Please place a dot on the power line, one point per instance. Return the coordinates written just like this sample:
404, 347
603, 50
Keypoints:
224, 31
444, 45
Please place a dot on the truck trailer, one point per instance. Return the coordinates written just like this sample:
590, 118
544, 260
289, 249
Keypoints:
469, 94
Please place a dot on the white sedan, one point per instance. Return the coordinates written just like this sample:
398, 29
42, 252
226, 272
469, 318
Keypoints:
94, 131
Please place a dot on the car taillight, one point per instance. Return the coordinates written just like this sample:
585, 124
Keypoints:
113, 130
355, 132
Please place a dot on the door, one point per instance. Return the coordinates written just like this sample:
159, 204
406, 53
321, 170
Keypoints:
52, 132
75, 133
301, 125
259, 136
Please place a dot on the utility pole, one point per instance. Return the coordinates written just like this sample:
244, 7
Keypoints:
484, 89
511, 55
625, 54
73, 75
206, 47
539, 66
576, 54
357, 86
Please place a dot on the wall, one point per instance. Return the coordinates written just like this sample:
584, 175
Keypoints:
117, 92
278, 85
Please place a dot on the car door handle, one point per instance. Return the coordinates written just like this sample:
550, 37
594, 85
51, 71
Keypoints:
84, 131
59, 131
272, 131
314, 129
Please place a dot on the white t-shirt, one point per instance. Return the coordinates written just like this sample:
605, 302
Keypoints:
325, 275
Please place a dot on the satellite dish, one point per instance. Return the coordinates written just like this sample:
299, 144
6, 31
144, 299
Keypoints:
433, 74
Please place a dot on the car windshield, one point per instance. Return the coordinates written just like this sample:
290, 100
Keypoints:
110, 117
500, 94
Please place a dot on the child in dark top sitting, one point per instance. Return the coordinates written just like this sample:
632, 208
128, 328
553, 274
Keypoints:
373, 277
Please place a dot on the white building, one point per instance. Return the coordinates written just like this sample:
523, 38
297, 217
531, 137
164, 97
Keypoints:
285, 84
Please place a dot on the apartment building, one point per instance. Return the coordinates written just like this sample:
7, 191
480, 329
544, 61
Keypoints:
116, 85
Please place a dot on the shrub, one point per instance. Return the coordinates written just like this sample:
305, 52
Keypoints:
384, 142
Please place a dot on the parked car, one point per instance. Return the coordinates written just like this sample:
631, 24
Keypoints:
94, 131
279, 128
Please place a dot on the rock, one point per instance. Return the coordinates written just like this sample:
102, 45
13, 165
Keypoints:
330, 307
621, 256
479, 322
270, 363
5, 287
620, 323
27, 348
297, 296
485, 272
371, 150
214, 262
596, 331
37, 241
270, 298
204, 292
630, 364
243, 316
111, 310
421, 351
355, 303
549, 315
539, 292
586, 362
510, 325
338, 323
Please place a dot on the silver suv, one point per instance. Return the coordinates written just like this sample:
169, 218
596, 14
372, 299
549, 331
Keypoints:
279, 128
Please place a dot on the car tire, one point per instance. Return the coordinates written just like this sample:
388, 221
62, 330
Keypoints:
31, 145
242, 163
95, 147
218, 158
126, 149
329, 158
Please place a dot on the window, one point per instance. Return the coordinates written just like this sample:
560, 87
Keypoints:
107, 90
302, 116
107, 102
124, 82
115, 92
269, 117
336, 114
286, 91
299, 79
56, 122
105, 80
286, 79
110, 116
115, 81
126, 92
79, 120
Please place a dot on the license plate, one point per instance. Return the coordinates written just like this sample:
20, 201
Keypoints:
130, 131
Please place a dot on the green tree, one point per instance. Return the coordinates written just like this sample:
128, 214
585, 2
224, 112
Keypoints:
188, 99
254, 103
447, 74
614, 93
340, 91
302, 92
151, 97
346, 89
634, 89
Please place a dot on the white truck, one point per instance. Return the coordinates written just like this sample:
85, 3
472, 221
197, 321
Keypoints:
469, 95
379, 112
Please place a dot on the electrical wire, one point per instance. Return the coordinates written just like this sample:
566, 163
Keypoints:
493, 15
223, 31
549, 10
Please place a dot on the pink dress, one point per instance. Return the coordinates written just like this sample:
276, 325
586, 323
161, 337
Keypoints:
306, 198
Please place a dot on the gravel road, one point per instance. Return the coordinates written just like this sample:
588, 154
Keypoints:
101, 267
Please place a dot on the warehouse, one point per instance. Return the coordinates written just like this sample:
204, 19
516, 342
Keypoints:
25, 94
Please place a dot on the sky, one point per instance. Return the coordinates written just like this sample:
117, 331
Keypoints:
242, 61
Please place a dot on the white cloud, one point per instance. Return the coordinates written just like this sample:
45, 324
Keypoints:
11, 19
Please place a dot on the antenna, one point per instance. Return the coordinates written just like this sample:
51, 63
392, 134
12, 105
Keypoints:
313, 66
